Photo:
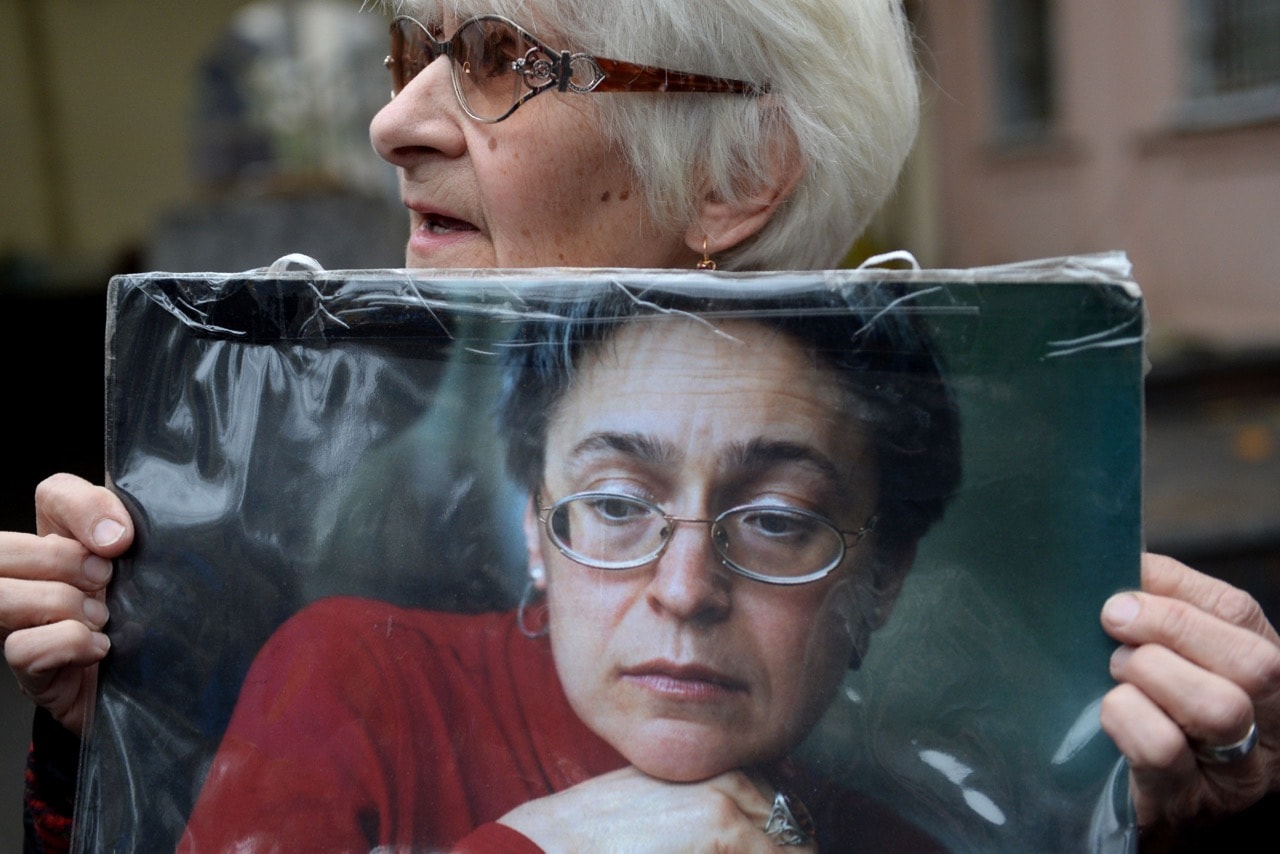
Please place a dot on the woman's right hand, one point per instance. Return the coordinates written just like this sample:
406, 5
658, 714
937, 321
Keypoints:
628, 810
52, 592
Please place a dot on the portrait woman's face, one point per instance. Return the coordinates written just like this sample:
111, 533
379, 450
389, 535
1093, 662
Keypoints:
685, 667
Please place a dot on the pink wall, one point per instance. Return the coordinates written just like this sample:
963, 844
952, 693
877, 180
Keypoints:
1198, 212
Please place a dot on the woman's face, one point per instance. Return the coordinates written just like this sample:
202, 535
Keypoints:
684, 667
541, 188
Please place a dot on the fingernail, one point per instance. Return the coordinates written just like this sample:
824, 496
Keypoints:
97, 569
1121, 609
1120, 656
101, 642
95, 612
107, 532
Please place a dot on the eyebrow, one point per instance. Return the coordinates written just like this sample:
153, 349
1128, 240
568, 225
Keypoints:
750, 458
759, 455
645, 448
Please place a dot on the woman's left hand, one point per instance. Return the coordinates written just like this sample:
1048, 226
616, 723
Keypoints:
627, 810
1199, 667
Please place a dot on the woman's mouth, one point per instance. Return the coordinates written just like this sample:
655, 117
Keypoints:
437, 238
683, 681
440, 224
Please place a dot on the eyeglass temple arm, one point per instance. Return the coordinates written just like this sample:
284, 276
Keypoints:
862, 532
620, 76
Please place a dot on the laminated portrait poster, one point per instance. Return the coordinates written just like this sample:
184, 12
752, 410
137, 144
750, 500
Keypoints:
423, 559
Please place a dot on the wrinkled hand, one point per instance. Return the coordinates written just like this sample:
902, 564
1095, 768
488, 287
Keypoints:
52, 589
627, 810
1199, 665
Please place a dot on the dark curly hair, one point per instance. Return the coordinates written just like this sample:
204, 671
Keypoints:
866, 333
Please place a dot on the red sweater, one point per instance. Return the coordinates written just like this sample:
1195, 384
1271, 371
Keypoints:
362, 724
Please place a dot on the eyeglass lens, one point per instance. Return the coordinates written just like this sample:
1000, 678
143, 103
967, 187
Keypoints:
615, 531
482, 51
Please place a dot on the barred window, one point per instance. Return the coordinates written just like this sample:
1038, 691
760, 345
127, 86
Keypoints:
1024, 82
1234, 48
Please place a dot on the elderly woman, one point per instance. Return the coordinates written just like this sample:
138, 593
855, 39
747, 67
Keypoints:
757, 135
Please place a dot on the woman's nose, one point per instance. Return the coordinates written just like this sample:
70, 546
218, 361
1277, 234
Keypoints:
689, 582
424, 118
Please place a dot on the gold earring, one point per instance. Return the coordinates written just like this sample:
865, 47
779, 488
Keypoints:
707, 263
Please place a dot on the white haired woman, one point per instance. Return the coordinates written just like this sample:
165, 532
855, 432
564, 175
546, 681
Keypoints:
757, 134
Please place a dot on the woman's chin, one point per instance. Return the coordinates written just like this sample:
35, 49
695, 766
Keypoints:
680, 771
685, 757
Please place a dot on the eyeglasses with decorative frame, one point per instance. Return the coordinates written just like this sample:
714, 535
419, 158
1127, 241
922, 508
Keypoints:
497, 65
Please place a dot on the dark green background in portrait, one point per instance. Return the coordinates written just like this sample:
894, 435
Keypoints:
975, 711
281, 437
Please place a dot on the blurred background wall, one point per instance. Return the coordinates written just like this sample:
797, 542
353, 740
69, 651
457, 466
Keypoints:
222, 134
1153, 127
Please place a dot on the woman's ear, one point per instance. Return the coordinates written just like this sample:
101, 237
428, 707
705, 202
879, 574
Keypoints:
896, 566
722, 224
533, 546
879, 598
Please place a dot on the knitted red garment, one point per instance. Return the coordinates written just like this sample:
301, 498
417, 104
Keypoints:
362, 724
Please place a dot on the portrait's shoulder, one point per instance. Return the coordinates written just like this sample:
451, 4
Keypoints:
345, 653
340, 627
